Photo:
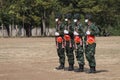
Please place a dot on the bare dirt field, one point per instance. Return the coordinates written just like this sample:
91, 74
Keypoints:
36, 59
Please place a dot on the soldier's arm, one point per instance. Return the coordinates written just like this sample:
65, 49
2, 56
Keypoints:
71, 29
95, 30
81, 30
61, 31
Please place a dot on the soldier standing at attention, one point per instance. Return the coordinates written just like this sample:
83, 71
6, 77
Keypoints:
69, 40
78, 39
90, 44
59, 34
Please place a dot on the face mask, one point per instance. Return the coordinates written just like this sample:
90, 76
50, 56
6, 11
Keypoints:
75, 20
86, 20
66, 19
56, 19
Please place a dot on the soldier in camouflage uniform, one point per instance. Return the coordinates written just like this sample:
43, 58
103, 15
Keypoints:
78, 39
69, 40
90, 45
59, 41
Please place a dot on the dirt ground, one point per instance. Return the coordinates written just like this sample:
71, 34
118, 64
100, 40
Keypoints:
36, 59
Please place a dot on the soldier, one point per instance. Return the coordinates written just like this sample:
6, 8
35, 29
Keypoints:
69, 40
59, 41
90, 45
78, 34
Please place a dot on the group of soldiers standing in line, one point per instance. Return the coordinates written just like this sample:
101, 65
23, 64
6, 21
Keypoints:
72, 36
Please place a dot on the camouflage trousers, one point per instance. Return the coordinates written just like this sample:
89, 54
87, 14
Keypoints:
90, 54
79, 54
69, 52
61, 54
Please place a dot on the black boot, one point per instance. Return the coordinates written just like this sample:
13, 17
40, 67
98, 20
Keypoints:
60, 67
80, 69
71, 67
92, 69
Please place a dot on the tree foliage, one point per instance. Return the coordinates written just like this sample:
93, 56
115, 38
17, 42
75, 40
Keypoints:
41, 12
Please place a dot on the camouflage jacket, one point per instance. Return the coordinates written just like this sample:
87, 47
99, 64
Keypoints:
60, 29
94, 31
79, 28
70, 28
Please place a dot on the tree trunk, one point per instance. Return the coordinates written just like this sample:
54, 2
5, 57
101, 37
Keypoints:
23, 26
2, 31
48, 33
16, 27
44, 23
44, 27
10, 28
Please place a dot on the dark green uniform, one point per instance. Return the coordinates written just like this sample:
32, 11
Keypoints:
90, 48
78, 39
79, 46
60, 45
69, 44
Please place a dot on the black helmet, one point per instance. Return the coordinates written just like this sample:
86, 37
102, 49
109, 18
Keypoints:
88, 16
76, 16
68, 16
58, 15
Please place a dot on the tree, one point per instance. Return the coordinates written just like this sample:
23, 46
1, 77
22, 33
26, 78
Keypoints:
29, 13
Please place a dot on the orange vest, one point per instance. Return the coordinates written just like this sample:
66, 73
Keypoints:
67, 37
77, 39
90, 39
59, 39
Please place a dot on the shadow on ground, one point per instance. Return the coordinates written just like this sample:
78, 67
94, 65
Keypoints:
86, 70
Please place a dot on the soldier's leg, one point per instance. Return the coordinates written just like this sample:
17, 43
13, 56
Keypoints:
61, 55
90, 55
80, 58
70, 55
71, 59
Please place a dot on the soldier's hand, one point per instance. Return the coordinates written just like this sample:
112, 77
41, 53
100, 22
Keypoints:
66, 32
88, 32
76, 33
57, 34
